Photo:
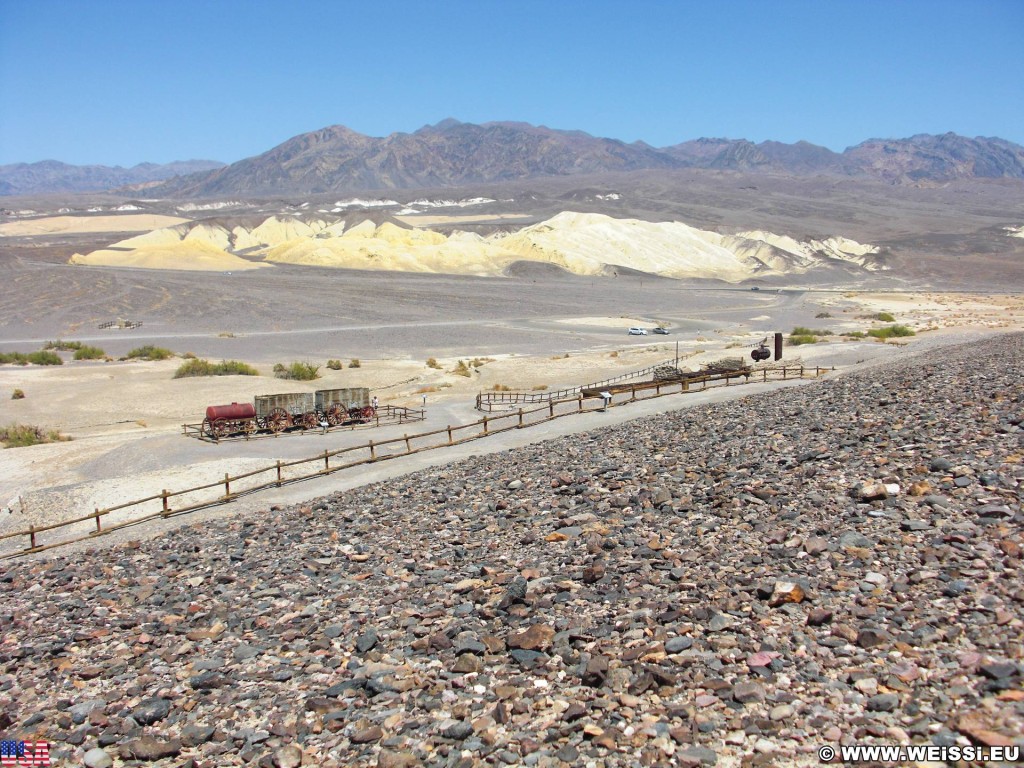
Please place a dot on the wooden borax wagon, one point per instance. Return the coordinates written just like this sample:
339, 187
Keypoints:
349, 404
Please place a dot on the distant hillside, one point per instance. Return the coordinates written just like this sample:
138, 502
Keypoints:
452, 154
448, 154
51, 176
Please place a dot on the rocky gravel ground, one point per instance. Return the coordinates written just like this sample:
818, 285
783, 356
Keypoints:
732, 584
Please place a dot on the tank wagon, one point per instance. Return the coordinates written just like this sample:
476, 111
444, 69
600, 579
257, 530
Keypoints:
290, 410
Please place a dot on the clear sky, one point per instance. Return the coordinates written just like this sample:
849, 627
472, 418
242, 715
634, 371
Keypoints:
118, 83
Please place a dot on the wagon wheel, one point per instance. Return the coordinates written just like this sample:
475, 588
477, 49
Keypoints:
367, 413
220, 428
249, 427
336, 414
278, 420
355, 413
310, 420
208, 428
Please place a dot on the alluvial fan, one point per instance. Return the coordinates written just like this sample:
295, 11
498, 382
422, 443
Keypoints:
838, 563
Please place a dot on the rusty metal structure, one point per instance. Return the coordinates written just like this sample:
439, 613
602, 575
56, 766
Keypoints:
289, 410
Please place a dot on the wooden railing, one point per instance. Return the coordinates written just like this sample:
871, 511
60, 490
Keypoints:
159, 505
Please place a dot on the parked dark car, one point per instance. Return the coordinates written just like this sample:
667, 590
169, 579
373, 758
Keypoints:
661, 331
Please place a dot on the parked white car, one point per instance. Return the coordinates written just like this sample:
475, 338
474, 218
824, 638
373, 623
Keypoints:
637, 332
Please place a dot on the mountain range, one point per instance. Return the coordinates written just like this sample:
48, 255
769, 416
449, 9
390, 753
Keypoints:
51, 176
453, 154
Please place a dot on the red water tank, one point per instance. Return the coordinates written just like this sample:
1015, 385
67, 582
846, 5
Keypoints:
233, 412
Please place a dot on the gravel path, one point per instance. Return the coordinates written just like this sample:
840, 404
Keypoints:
737, 582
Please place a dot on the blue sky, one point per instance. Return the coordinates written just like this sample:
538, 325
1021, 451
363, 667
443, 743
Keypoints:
117, 83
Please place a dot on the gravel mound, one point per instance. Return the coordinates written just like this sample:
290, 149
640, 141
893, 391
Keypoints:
836, 563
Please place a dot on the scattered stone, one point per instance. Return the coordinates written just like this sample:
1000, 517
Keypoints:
786, 592
149, 748
97, 758
151, 711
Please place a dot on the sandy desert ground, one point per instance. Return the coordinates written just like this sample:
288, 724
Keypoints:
535, 330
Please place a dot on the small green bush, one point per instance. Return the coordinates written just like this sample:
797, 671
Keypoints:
885, 317
891, 331
432, 363
297, 371
149, 352
354, 363
18, 395
801, 331
334, 365
23, 435
89, 353
199, 367
855, 334
44, 357
798, 339
63, 346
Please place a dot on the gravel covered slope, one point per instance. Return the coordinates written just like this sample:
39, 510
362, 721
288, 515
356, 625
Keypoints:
835, 563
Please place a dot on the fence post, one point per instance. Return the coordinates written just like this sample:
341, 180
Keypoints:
551, 409
449, 434
98, 529
227, 485
408, 448
278, 473
765, 372
632, 393
485, 425
165, 510
373, 453
657, 389
327, 462
801, 371
32, 536
520, 418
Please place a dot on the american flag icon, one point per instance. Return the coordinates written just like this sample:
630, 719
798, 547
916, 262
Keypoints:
24, 753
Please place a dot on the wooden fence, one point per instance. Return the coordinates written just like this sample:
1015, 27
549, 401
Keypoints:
159, 505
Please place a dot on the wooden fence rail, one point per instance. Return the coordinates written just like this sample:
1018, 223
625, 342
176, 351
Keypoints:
379, 451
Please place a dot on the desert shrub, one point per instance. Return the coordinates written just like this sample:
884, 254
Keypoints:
797, 339
189, 356
297, 371
149, 352
432, 363
823, 314
424, 390
613, 354
44, 357
855, 334
89, 353
334, 365
891, 331
885, 317
18, 395
539, 387
476, 362
354, 363
462, 369
199, 367
801, 331
501, 388
23, 435
63, 346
